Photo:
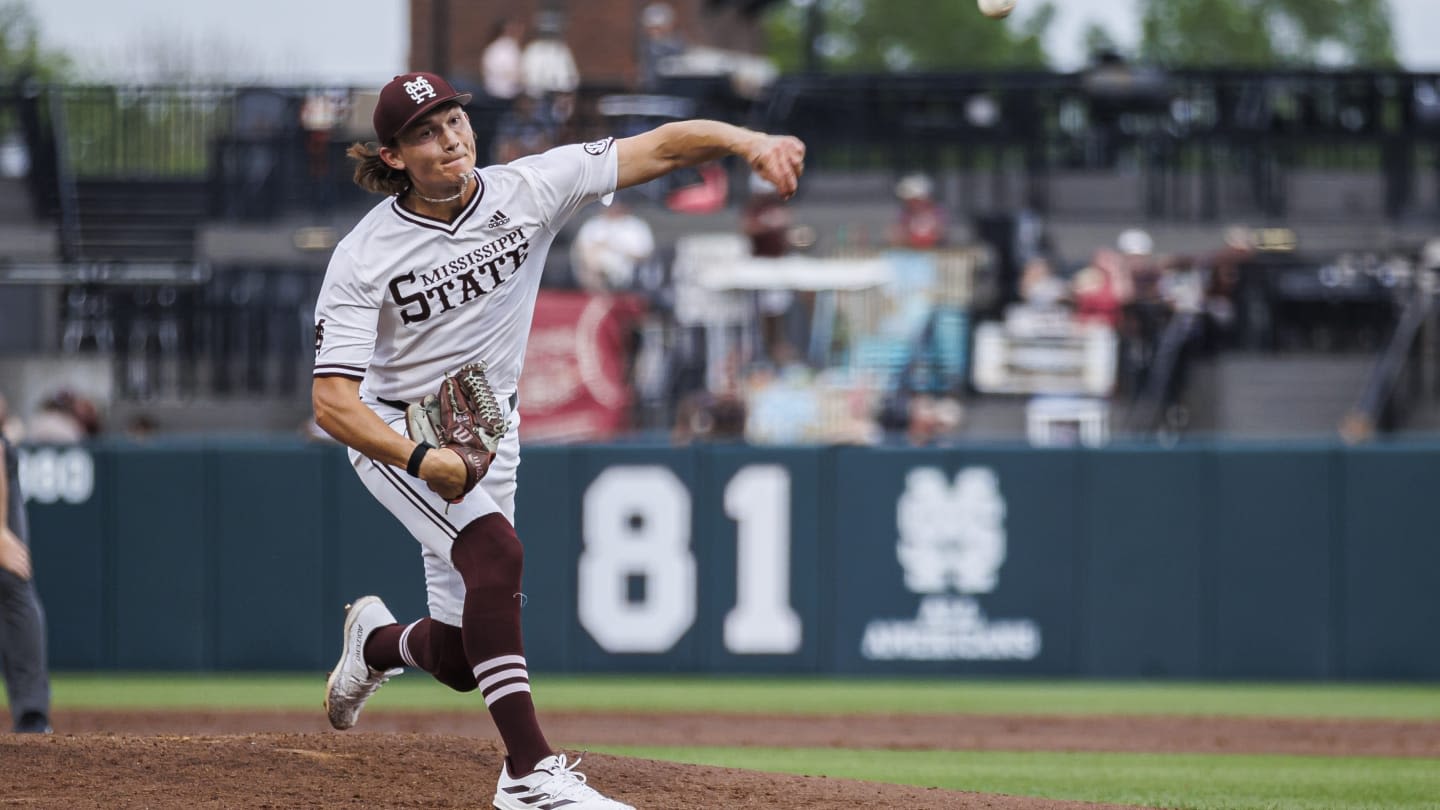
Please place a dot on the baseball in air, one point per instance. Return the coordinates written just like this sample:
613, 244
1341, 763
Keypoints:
997, 9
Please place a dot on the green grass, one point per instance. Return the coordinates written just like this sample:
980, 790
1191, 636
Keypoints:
1201, 782
780, 695
1198, 781
809, 696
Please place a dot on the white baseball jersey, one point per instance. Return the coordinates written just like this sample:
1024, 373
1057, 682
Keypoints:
407, 299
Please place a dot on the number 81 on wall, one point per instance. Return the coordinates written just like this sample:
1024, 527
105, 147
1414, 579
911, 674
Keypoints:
636, 526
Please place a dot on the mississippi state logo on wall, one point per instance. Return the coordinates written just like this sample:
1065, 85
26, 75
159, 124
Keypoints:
951, 548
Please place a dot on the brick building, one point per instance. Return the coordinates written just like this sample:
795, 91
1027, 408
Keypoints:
448, 36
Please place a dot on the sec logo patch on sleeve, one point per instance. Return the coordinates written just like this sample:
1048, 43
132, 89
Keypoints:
598, 148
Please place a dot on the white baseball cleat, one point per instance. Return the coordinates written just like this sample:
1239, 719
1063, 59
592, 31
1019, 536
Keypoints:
353, 681
554, 785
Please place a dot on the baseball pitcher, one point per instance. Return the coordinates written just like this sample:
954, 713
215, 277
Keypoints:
420, 333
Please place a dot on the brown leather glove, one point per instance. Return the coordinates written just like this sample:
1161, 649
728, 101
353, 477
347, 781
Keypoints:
465, 417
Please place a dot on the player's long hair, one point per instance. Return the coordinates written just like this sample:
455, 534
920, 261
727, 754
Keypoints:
372, 173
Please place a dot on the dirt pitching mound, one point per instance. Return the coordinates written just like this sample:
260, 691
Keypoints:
286, 759
931, 732
393, 770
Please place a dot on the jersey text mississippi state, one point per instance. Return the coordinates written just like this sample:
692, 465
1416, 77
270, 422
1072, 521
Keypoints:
460, 281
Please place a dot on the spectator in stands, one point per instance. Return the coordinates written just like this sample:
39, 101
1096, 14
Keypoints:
717, 415
500, 69
1182, 284
714, 417
659, 41
1032, 237
1222, 286
1147, 312
1040, 287
610, 248
64, 418
11, 426
922, 222
320, 113
522, 130
1147, 307
141, 426
1099, 292
1101, 289
766, 221
933, 421
550, 75
85, 412
1147, 273
1222, 283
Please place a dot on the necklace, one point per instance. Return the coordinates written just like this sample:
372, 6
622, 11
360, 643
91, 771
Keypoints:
464, 182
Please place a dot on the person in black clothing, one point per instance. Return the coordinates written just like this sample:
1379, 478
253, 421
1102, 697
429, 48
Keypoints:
22, 620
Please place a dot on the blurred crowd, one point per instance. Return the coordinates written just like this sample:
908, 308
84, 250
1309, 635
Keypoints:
764, 379
766, 383
64, 417
1129, 287
528, 71
1134, 289
770, 383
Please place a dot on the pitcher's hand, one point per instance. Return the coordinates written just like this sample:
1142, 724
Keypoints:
780, 159
445, 473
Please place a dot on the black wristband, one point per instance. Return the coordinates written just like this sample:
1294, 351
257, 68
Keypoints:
417, 456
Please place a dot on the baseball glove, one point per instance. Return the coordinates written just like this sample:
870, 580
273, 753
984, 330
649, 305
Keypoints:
462, 416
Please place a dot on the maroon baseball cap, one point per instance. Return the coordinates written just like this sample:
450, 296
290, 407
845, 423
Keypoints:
408, 97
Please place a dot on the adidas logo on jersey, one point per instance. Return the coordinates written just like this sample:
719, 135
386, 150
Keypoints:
499, 220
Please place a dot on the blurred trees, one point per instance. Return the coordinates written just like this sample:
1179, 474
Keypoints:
171, 54
164, 55
1267, 33
907, 35
922, 35
20, 51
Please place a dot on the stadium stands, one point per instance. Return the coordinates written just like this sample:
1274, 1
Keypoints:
181, 233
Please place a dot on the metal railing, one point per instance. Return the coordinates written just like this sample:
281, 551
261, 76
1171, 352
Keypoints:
1200, 142
25, 118
1064, 110
177, 331
67, 198
142, 131
1394, 381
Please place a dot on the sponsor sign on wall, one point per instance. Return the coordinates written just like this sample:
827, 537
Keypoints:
954, 562
743, 562
1117, 563
574, 387
951, 545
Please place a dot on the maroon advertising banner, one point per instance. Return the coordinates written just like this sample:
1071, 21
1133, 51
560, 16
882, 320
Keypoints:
574, 387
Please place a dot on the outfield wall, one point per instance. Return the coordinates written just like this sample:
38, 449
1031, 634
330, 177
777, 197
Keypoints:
1223, 561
